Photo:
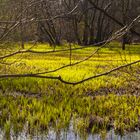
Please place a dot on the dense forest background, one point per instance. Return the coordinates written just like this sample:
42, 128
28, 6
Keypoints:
83, 22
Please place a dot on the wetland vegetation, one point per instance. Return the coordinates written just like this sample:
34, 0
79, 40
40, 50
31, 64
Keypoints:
70, 69
96, 106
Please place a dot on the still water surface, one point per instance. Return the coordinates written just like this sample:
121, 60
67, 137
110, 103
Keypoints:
70, 135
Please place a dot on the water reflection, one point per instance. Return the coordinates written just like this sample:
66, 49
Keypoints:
70, 135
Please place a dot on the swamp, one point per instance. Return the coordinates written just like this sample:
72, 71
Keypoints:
69, 70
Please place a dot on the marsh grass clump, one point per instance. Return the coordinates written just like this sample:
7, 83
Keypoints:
109, 112
89, 115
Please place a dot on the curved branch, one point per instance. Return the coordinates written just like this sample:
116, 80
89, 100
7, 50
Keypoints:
67, 82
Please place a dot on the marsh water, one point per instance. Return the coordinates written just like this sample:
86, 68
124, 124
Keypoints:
70, 135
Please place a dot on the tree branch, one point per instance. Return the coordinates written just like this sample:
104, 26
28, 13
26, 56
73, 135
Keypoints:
112, 18
67, 82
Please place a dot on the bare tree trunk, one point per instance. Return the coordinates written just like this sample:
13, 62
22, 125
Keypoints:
75, 26
86, 32
21, 26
